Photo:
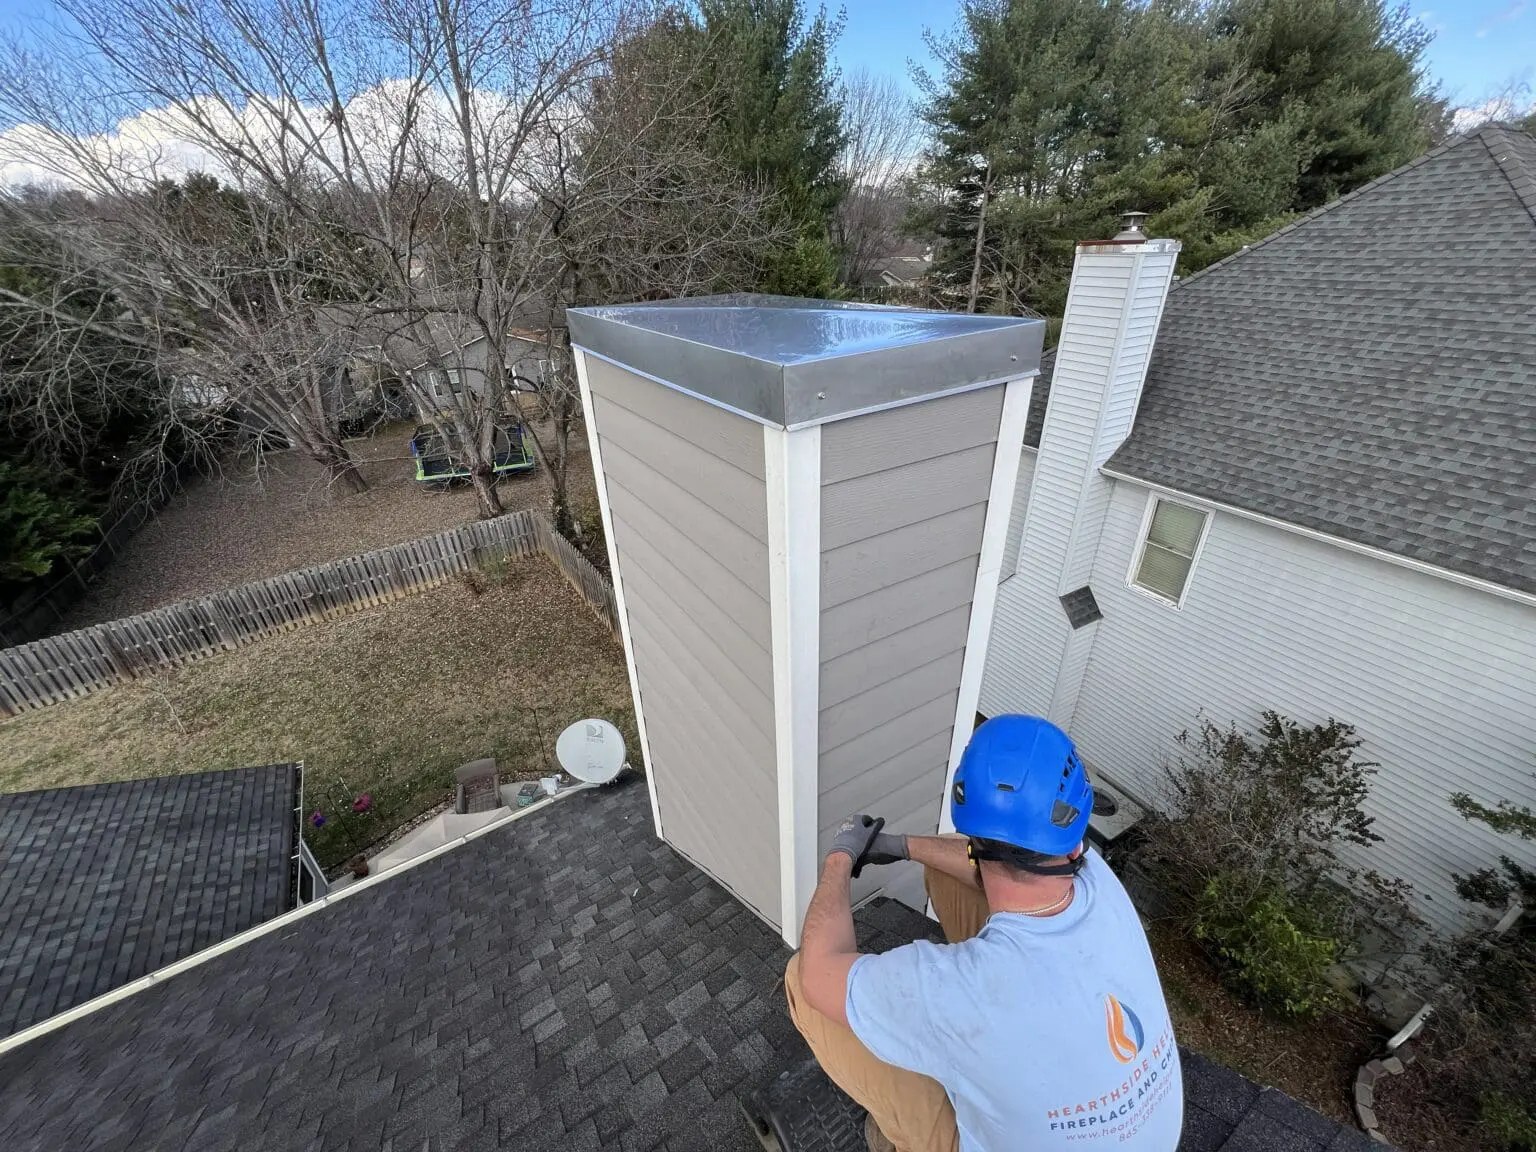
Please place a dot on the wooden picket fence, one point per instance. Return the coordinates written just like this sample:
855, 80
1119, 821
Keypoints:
594, 587
74, 664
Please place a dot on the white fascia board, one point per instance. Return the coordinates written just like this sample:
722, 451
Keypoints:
595, 447
793, 473
1408, 562
994, 533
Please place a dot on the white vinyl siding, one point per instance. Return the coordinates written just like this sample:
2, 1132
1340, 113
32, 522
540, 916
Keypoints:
1015, 535
1169, 545
1435, 677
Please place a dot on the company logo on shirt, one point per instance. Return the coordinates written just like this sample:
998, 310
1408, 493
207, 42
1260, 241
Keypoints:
1124, 1030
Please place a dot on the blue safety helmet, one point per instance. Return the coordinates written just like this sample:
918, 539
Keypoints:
1020, 782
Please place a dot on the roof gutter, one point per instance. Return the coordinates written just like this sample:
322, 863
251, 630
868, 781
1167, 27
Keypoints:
1499, 590
160, 975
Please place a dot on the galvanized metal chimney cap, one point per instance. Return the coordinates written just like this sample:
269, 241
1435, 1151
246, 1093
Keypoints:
1132, 226
790, 362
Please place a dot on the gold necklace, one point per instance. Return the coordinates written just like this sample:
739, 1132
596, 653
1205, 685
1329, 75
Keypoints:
1041, 911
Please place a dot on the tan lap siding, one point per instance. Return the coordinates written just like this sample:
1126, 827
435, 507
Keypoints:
690, 521
904, 498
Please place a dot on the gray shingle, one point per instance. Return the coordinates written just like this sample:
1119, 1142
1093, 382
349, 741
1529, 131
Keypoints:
103, 883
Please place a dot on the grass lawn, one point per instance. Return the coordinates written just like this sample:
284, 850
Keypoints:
387, 701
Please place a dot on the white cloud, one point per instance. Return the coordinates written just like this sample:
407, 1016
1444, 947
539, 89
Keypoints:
1506, 107
1511, 11
1426, 20
149, 145
167, 142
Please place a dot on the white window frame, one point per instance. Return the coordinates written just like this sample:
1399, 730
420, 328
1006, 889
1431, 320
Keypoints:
1147, 513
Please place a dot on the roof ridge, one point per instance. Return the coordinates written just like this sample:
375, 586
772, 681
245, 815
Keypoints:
1433, 154
1520, 176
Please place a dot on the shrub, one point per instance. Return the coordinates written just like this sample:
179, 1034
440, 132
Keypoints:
589, 535
341, 825
1246, 854
1480, 1049
39, 525
1507, 1120
1269, 948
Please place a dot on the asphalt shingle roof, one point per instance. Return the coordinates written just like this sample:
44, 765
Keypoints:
104, 883
565, 982
1368, 372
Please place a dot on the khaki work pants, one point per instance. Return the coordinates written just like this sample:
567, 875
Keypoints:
912, 1110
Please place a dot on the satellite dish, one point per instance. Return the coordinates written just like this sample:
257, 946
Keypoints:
591, 750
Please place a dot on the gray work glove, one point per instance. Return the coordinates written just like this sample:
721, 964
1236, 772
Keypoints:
860, 839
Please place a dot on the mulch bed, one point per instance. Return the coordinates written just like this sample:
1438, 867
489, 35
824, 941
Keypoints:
1415, 1114
1313, 1060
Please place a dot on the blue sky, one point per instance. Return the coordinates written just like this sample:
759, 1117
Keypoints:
1480, 46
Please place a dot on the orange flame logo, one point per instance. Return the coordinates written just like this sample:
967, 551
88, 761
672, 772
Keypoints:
1123, 1029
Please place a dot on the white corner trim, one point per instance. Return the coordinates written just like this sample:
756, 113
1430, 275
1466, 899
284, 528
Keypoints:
1141, 546
994, 534
792, 467
596, 449
1408, 562
160, 975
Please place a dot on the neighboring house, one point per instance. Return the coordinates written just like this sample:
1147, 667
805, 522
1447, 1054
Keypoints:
904, 268
441, 378
1317, 495
382, 353
105, 883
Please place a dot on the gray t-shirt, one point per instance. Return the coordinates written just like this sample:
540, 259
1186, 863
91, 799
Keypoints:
1046, 1032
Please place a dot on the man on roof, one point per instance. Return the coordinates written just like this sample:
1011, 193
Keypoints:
1041, 1024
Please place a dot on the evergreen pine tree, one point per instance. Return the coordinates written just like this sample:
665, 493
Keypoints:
780, 122
1222, 118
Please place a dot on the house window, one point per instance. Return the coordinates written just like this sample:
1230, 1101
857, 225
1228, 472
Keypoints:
1168, 547
455, 380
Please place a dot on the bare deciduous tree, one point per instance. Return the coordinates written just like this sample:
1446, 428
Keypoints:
640, 208
216, 286
462, 169
883, 136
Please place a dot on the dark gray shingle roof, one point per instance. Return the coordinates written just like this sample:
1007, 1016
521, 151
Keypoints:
1370, 371
102, 884
567, 982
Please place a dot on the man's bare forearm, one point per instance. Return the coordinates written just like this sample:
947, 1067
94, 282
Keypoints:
828, 927
828, 947
946, 854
